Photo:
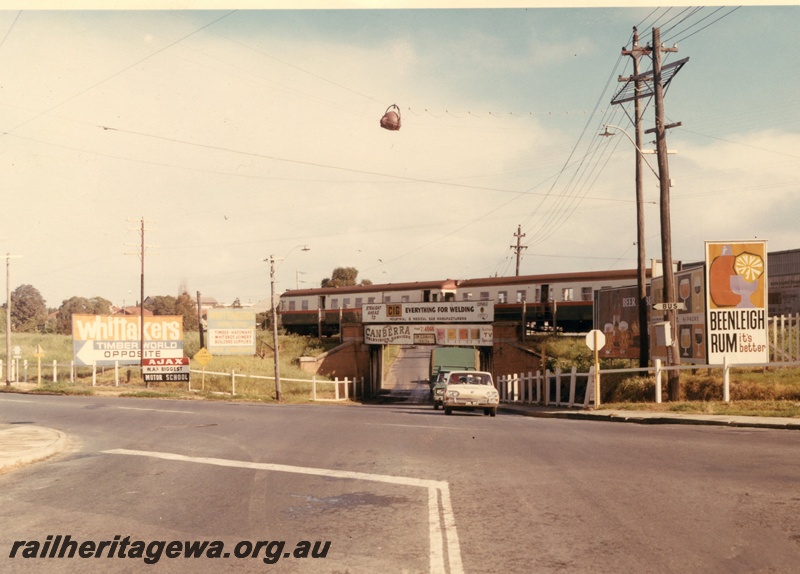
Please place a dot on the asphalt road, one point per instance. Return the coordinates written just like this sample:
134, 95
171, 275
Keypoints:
398, 488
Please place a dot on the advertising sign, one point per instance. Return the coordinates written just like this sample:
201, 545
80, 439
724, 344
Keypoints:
166, 370
109, 339
736, 285
450, 335
617, 315
231, 331
690, 331
437, 312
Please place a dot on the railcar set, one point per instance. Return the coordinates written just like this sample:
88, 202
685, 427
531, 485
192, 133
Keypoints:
561, 301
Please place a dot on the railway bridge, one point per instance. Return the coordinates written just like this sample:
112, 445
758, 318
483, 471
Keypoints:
361, 355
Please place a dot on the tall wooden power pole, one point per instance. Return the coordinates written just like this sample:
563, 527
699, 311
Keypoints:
674, 383
636, 52
519, 247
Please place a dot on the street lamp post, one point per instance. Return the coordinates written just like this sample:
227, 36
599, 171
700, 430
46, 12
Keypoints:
641, 265
272, 259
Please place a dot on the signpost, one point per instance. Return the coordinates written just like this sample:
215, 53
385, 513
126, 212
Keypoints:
203, 357
166, 370
38, 354
596, 340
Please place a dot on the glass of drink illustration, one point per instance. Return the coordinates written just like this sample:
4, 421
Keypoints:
686, 340
684, 289
624, 337
698, 340
697, 288
608, 330
741, 286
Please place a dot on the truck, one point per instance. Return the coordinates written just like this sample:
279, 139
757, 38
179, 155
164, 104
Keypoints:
445, 360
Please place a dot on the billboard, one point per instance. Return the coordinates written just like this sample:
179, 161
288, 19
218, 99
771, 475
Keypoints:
736, 291
231, 331
436, 312
456, 335
617, 316
110, 339
690, 316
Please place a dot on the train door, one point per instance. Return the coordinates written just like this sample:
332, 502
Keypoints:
545, 293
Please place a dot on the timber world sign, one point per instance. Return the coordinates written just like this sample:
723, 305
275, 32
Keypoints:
466, 323
115, 339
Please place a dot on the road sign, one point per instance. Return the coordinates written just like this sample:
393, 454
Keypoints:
39, 351
595, 335
679, 306
203, 356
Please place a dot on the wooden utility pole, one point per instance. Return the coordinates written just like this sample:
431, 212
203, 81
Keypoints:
519, 247
666, 232
636, 52
200, 321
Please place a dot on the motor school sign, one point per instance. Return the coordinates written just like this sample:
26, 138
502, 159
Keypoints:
110, 339
736, 320
231, 331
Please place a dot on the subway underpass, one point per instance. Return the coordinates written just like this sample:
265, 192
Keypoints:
406, 380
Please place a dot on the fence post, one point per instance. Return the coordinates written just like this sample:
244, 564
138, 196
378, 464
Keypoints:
546, 387
726, 380
94, 374
589, 394
233, 382
346, 389
55, 369
72, 371
558, 386
336, 388
572, 379
314, 388
538, 387
658, 380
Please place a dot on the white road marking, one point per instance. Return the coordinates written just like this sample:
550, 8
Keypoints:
156, 410
441, 519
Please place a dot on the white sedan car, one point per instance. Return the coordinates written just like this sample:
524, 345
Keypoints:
470, 390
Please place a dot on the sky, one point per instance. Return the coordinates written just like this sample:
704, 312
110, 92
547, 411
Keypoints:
239, 133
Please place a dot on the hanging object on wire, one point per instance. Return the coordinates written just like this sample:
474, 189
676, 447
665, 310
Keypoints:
391, 119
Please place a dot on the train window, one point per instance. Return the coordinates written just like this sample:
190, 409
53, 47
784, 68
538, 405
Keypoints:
405, 298
334, 303
359, 302
484, 295
567, 294
521, 296
467, 296
586, 293
370, 299
291, 306
346, 304
387, 298
305, 304
502, 296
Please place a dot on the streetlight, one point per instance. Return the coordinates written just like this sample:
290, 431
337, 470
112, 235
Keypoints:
272, 259
641, 265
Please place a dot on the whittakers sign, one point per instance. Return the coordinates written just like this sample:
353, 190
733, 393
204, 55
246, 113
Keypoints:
231, 331
736, 283
438, 312
110, 339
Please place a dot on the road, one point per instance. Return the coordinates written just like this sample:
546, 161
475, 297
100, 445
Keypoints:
399, 488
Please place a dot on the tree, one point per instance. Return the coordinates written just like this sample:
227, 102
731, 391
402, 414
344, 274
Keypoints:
344, 277
28, 309
79, 306
183, 305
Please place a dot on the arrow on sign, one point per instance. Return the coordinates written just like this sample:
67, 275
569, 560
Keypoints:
669, 307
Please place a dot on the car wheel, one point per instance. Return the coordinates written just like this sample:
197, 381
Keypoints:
493, 412
486, 412
448, 411
435, 406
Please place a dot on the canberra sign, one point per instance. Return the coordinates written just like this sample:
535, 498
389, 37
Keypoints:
110, 339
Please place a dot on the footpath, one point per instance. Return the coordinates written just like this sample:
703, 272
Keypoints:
22, 443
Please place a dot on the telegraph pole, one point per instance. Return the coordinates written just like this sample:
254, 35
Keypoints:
674, 383
636, 52
518, 247
274, 327
8, 257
